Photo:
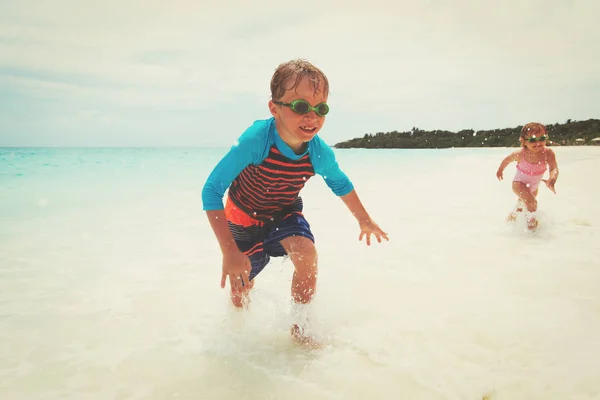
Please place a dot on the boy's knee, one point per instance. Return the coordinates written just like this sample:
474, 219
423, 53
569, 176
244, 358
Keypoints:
304, 257
295, 245
302, 252
305, 254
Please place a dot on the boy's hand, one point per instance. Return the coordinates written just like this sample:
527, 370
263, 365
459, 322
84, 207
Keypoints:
368, 228
237, 266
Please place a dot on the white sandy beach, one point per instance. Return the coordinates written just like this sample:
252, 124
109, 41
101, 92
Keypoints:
109, 283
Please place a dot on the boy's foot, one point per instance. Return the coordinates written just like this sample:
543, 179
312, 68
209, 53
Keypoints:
300, 335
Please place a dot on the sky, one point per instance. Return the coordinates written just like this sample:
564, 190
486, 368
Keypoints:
197, 73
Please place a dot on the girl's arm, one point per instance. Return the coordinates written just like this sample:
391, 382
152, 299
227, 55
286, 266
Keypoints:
553, 165
551, 160
510, 158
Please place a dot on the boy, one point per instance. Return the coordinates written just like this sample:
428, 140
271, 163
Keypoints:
264, 172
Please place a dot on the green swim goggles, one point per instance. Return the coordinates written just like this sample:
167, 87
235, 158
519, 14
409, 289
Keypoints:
303, 107
533, 139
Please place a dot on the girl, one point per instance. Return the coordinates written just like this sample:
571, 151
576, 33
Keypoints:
532, 162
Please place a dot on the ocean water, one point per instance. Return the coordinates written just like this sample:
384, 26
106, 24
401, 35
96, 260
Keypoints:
109, 283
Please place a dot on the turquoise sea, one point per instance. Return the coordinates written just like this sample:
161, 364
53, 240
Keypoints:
109, 282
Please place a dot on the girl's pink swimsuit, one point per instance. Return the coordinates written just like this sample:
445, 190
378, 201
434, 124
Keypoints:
530, 174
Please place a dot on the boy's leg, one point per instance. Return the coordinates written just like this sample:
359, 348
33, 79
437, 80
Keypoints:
303, 254
241, 298
292, 236
259, 260
250, 241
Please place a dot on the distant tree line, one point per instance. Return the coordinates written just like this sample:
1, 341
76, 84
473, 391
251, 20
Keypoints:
560, 134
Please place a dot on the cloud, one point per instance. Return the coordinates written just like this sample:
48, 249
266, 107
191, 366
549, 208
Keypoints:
392, 65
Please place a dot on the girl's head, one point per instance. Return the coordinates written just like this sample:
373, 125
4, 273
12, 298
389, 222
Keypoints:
533, 136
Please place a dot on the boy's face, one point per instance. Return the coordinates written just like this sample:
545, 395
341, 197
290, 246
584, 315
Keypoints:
296, 129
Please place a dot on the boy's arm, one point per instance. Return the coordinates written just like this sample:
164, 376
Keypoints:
326, 165
249, 149
218, 223
235, 263
367, 225
356, 207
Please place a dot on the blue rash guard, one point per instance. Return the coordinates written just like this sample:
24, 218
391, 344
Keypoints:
267, 175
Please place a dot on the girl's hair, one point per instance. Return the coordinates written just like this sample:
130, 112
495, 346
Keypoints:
532, 129
289, 74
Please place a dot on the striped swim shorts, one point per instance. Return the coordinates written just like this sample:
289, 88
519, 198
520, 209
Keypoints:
261, 241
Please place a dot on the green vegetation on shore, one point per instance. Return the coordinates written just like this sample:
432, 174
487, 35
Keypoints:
567, 134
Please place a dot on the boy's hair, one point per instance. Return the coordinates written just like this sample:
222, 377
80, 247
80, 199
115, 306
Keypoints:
289, 74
